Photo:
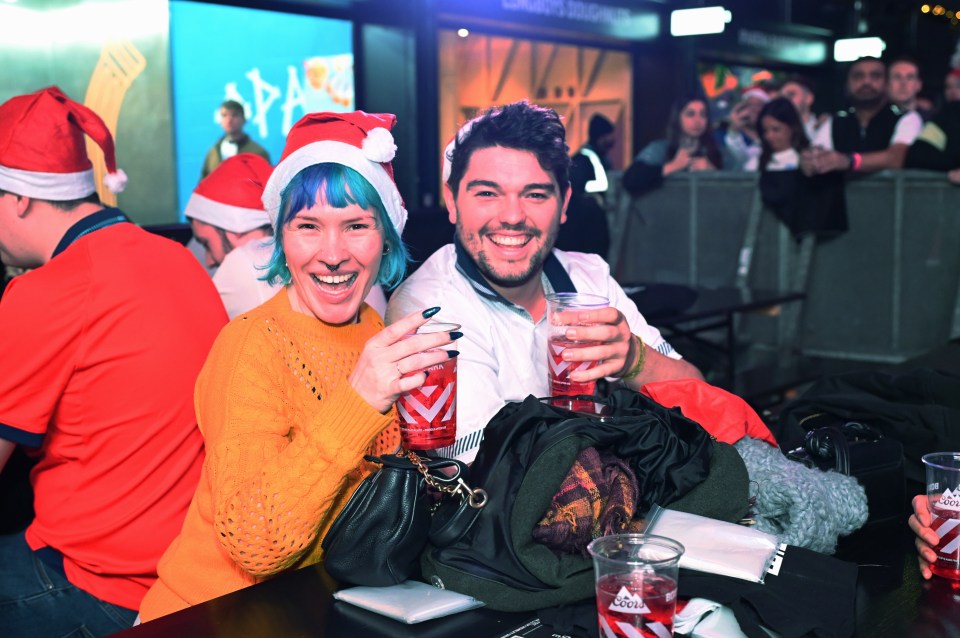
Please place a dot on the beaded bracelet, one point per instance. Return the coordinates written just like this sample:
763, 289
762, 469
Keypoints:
641, 355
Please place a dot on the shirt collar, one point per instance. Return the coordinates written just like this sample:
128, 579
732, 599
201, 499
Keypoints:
90, 223
552, 268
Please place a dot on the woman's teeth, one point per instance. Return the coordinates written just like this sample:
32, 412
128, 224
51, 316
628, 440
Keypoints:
333, 280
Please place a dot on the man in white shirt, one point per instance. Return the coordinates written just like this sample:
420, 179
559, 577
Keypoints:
227, 217
904, 83
507, 190
799, 90
871, 135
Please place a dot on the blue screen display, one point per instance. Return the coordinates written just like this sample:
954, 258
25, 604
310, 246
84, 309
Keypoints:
279, 66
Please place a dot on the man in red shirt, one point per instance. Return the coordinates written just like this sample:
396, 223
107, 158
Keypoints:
102, 342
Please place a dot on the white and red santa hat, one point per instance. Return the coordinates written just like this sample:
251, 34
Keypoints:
756, 91
452, 144
358, 140
231, 197
43, 153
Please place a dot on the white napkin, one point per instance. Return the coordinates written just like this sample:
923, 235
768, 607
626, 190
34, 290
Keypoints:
409, 602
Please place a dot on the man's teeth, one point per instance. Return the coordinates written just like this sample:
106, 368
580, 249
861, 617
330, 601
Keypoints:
509, 241
333, 279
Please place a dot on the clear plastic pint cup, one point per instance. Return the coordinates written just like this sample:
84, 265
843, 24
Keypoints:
563, 309
636, 581
428, 414
943, 496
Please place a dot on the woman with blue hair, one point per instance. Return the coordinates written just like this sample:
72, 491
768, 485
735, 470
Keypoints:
297, 390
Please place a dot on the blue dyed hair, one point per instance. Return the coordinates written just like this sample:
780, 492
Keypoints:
339, 186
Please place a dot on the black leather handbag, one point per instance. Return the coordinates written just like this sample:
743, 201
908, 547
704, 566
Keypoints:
378, 537
858, 450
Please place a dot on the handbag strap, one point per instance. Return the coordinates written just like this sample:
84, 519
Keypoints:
454, 484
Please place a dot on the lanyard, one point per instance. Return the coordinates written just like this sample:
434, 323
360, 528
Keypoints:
89, 224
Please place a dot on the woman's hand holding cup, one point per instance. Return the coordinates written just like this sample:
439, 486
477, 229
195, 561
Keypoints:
394, 361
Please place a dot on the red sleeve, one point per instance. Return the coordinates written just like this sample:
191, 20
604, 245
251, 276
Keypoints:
40, 324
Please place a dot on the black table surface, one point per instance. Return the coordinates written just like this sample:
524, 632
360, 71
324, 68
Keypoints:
892, 602
667, 304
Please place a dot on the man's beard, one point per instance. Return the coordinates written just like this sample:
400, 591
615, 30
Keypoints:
512, 280
868, 102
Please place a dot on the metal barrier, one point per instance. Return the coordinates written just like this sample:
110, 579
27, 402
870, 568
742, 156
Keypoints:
884, 291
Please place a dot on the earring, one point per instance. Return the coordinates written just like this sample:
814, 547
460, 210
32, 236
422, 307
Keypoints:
386, 249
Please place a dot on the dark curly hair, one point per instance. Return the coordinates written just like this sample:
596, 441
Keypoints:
520, 126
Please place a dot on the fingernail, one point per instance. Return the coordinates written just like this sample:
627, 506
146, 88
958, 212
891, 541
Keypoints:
455, 335
452, 353
429, 312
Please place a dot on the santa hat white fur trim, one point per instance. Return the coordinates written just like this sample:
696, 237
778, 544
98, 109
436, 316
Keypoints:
337, 153
56, 187
234, 219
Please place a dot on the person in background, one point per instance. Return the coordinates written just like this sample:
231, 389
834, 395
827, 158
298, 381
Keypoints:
234, 140
226, 215
937, 148
782, 136
689, 145
590, 164
904, 84
507, 190
587, 229
951, 86
738, 138
800, 91
871, 135
104, 338
806, 205
297, 390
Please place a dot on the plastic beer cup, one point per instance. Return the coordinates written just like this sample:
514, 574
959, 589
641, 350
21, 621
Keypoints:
636, 584
428, 414
562, 310
943, 496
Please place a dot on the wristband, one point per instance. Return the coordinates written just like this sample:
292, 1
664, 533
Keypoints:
641, 355
856, 160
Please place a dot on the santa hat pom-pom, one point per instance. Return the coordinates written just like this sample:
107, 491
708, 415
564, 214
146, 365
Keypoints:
378, 145
116, 182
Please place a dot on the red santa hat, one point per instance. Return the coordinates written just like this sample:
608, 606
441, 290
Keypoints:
42, 149
231, 196
358, 140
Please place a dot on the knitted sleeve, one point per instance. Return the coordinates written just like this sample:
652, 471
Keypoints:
273, 486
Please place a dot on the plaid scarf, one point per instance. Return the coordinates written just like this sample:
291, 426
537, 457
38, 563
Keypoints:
598, 497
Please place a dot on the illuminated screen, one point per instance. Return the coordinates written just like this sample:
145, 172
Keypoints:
279, 66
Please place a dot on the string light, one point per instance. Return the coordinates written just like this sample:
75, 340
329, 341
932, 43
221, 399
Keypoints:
941, 12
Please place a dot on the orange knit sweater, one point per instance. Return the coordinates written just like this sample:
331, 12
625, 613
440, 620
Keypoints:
285, 435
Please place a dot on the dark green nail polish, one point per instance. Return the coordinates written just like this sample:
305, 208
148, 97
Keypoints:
429, 312
455, 335
452, 353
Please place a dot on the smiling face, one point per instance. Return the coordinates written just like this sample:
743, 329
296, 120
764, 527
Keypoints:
334, 256
693, 119
507, 211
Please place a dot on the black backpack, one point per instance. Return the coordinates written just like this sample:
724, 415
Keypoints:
527, 451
